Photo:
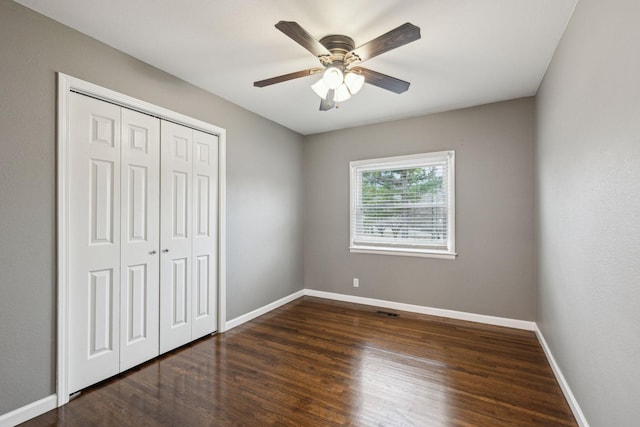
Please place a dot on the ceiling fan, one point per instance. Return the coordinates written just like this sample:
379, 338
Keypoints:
342, 77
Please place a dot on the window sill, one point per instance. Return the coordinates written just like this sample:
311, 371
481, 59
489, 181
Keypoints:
403, 252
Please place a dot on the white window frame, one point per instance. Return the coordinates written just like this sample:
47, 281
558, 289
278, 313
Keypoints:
404, 162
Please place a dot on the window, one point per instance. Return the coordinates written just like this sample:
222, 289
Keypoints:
404, 205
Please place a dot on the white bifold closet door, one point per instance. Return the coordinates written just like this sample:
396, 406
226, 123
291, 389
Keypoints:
143, 240
188, 235
113, 241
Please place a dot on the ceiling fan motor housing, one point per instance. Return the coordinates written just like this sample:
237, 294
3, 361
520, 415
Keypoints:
339, 46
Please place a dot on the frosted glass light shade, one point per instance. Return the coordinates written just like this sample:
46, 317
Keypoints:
342, 93
333, 77
354, 82
320, 88
343, 85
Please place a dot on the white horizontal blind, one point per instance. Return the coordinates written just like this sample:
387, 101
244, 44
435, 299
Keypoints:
403, 203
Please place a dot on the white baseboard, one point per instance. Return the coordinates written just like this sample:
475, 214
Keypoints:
262, 310
29, 411
460, 315
564, 385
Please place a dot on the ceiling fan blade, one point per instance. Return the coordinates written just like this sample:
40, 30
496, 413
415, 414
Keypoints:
405, 33
328, 103
300, 36
382, 80
285, 77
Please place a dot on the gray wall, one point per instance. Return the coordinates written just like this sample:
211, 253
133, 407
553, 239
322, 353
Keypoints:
264, 184
494, 273
588, 180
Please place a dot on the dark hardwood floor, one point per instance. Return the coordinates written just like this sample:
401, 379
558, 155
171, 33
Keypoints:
315, 362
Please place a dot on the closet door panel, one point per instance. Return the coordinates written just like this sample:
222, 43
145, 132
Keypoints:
140, 240
205, 236
176, 226
94, 241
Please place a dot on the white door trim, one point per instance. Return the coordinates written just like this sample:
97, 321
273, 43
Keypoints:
66, 84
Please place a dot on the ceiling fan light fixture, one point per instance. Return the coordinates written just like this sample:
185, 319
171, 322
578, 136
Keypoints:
320, 88
333, 77
354, 82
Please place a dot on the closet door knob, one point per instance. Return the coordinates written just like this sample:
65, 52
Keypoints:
165, 250
152, 252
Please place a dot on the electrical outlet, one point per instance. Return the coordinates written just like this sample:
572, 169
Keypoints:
356, 282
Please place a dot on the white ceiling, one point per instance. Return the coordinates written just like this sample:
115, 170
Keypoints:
471, 52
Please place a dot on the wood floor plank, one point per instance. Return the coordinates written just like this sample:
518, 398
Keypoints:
315, 362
